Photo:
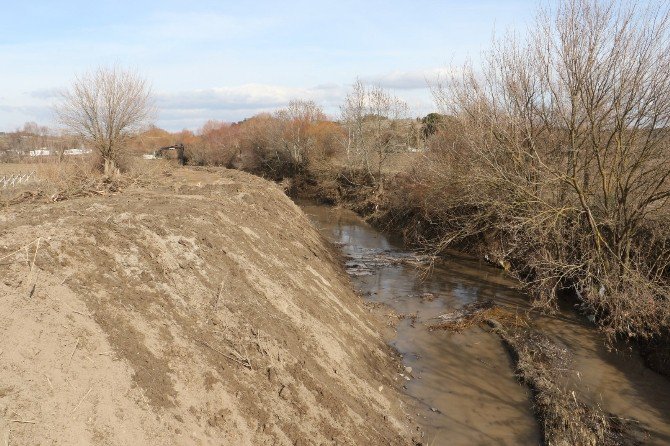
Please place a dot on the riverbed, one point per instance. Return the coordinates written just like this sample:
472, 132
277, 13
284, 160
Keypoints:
462, 385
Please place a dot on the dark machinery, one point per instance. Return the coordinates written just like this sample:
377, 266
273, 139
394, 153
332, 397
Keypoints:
177, 148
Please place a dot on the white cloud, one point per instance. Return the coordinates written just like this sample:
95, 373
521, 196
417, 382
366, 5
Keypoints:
236, 103
256, 95
191, 109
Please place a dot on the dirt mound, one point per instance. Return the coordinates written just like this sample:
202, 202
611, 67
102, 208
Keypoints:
205, 310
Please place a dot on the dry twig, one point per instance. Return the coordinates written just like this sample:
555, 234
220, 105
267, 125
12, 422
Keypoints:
244, 362
82, 400
74, 350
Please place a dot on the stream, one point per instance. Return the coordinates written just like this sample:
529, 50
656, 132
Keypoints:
463, 384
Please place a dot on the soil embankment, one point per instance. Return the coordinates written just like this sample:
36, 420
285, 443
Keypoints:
203, 310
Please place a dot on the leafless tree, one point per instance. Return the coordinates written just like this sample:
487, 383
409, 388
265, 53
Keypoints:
564, 152
34, 136
105, 108
353, 112
377, 126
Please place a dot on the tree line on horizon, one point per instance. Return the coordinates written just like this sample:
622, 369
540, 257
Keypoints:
373, 125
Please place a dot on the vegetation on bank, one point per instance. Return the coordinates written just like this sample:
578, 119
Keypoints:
558, 164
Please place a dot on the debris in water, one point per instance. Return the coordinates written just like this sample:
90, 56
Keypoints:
362, 264
474, 314
428, 297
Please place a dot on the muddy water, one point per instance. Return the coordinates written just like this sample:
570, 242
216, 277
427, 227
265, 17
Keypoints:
463, 384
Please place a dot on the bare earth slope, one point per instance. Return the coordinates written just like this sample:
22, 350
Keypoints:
203, 311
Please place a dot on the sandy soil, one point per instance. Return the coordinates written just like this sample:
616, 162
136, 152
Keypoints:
202, 310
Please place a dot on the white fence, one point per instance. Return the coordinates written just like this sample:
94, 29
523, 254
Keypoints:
17, 179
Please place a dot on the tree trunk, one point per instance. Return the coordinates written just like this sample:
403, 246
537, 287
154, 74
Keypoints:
110, 167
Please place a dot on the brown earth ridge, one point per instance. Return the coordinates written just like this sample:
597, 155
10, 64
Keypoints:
202, 310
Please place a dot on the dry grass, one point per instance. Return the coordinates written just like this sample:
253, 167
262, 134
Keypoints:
78, 178
14, 168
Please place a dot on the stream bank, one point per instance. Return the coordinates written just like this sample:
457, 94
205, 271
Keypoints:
463, 384
406, 205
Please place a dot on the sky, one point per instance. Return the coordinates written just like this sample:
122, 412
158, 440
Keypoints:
227, 60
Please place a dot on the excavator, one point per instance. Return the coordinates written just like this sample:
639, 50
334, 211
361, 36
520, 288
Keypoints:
178, 148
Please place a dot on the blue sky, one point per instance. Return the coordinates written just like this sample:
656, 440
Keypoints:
228, 60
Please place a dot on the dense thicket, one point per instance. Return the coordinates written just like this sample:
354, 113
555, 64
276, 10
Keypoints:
559, 161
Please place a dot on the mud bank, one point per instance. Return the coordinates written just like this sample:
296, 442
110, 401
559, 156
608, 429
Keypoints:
203, 310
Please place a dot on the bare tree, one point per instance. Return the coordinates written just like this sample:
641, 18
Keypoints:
352, 113
377, 126
565, 153
35, 137
106, 108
